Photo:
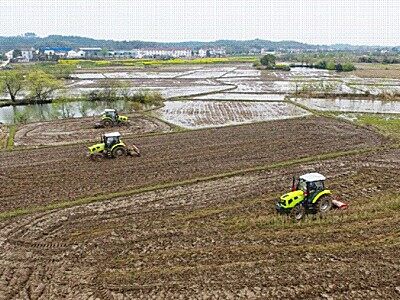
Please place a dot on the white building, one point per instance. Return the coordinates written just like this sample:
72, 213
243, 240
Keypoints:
123, 53
27, 54
75, 54
90, 52
9, 54
155, 52
212, 52
267, 51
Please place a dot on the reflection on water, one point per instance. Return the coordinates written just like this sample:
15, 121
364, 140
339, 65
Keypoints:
59, 110
348, 105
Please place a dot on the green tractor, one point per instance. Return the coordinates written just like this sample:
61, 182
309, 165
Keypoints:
110, 117
111, 146
308, 195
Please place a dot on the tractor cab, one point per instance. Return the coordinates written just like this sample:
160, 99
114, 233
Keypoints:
111, 139
311, 184
111, 114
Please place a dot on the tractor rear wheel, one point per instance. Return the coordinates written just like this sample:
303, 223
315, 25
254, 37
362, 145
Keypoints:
324, 204
107, 123
118, 152
298, 212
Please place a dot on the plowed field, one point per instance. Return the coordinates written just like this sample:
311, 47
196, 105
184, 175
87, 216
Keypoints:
71, 131
59, 173
207, 239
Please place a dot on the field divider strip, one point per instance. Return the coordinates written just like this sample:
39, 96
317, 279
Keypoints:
11, 134
105, 197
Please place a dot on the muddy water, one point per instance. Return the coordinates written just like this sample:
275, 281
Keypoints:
348, 105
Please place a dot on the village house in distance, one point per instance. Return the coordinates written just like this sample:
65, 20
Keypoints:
54, 53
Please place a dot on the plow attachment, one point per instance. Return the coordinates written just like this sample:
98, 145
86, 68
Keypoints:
133, 150
339, 204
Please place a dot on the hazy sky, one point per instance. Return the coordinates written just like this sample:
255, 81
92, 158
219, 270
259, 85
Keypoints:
311, 21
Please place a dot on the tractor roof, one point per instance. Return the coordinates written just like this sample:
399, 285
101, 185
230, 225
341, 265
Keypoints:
310, 177
112, 134
109, 110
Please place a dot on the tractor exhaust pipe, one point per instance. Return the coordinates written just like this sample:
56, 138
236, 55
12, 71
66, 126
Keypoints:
294, 184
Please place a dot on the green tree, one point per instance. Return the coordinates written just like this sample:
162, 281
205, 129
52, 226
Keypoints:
268, 60
347, 67
330, 66
42, 85
12, 82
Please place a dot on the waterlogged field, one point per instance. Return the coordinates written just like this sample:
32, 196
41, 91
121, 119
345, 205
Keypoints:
201, 114
166, 92
241, 96
348, 105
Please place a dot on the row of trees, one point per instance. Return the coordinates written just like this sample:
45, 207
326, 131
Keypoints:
331, 65
40, 84
37, 85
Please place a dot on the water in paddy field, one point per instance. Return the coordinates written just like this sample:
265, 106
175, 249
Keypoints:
348, 105
54, 111
203, 114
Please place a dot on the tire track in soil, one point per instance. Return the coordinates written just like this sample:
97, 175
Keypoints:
70, 131
161, 205
46, 175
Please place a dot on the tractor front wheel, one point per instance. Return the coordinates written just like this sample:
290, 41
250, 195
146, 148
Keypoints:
298, 212
324, 204
118, 152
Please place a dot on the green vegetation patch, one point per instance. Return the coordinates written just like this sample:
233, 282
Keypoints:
386, 124
156, 62
11, 134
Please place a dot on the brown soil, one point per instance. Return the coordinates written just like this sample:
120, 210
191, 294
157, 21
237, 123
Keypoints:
70, 131
218, 239
47, 175
212, 239
377, 71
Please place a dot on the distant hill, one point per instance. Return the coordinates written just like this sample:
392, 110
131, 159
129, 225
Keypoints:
232, 46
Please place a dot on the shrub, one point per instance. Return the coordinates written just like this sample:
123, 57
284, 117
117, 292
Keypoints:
147, 97
348, 67
282, 67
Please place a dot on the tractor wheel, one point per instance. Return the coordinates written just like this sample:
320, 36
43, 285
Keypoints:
107, 123
324, 204
118, 152
298, 212
96, 156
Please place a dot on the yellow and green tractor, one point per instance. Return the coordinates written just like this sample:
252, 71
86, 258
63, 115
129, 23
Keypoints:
110, 118
308, 195
111, 146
